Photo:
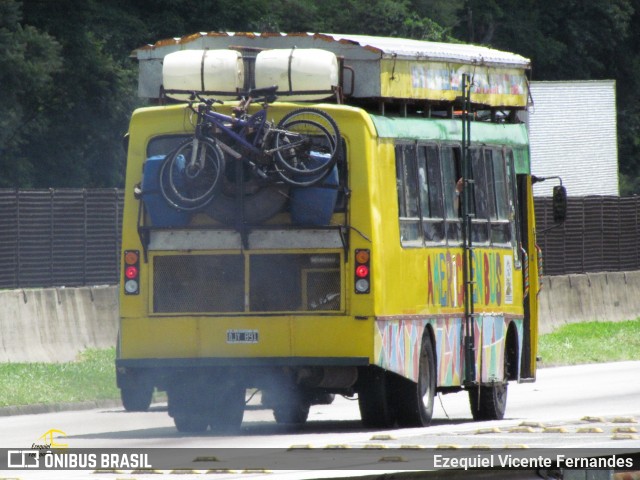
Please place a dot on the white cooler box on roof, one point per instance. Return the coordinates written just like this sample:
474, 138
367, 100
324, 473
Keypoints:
220, 73
301, 74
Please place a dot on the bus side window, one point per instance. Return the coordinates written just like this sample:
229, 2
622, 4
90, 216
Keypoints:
499, 212
408, 196
431, 204
480, 199
450, 174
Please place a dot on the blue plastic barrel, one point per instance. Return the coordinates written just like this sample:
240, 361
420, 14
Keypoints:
313, 206
162, 214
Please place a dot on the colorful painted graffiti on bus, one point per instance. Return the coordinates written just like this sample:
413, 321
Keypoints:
445, 282
398, 343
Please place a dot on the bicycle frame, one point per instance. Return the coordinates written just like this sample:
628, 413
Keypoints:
237, 131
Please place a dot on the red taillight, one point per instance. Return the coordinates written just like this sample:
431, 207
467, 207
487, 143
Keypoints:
362, 271
131, 272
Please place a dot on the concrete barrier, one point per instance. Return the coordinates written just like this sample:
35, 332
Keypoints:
55, 324
606, 296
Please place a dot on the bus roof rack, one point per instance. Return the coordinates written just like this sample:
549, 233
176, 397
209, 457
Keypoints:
372, 69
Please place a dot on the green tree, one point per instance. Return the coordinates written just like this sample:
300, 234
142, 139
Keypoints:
572, 40
445, 13
69, 84
93, 95
29, 60
628, 85
69, 133
395, 18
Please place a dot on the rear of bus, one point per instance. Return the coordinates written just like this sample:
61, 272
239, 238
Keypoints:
210, 308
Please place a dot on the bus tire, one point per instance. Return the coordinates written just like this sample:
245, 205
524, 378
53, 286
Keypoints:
323, 398
187, 401
490, 402
136, 398
190, 422
374, 400
228, 408
414, 401
295, 413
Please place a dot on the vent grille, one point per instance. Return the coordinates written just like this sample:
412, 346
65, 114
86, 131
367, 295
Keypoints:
219, 283
198, 283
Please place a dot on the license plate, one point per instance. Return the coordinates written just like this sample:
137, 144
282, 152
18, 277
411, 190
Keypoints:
242, 336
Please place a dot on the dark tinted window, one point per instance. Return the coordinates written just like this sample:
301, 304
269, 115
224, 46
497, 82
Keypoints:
408, 197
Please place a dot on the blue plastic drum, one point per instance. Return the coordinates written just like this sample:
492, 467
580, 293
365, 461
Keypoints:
313, 206
162, 214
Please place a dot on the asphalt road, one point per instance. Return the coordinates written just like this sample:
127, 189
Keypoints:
587, 406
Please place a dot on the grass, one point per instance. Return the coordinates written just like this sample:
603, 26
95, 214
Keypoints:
591, 342
92, 376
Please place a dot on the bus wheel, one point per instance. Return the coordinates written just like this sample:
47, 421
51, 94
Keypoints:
186, 398
228, 409
136, 398
295, 413
323, 399
414, 401
490, 402
376, 409
190, 422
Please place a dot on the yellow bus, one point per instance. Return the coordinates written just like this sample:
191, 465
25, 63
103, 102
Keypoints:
413, 270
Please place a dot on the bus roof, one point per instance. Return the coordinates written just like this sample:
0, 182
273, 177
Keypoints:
389, 47
391, 69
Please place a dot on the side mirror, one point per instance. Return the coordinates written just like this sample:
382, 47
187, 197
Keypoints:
559, 204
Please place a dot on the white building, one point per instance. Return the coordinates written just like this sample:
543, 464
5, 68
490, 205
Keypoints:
572, 128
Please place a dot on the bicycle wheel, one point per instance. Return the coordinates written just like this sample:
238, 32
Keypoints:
192, 187
300, 180
307, 142
314, 115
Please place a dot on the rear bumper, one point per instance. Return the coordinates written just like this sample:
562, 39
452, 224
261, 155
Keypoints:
242, 362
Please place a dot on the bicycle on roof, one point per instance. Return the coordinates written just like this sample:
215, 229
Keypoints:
300, 150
